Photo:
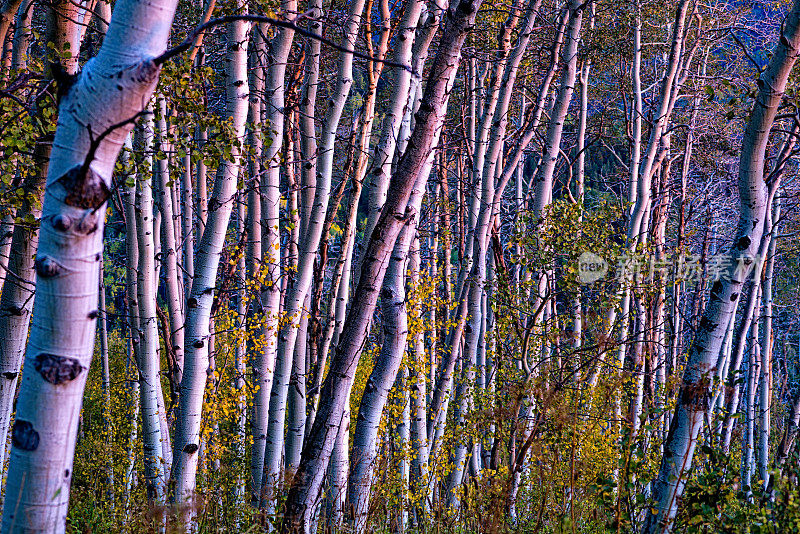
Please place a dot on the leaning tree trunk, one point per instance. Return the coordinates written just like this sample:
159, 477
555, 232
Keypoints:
20, 276
393, 303
307, 482
695, 391
300, 284
95, 115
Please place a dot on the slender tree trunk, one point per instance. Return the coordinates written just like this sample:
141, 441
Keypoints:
17, 298
384, 374
765, 376
695, 387
751, 401
299, 285
169, 243
198, 319
335, 389
149, 360
271, 298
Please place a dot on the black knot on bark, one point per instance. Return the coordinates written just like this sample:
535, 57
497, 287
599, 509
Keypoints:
85, 188
425, 107
198, 344
10, 375
62, 222
146, 71
696, 396
466, 7
64, 80
47, 267
716, 289
743, 243
190, 448
94, 314
24, 437
706, 325
57, 369
192, 302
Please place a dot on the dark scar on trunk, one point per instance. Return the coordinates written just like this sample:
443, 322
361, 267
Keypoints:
57, 369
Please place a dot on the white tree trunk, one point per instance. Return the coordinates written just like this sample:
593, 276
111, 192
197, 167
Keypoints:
149, 360
300, 283
335, 389
270, 232
113, 87
694, 393
169, 242
395, 316
198, 335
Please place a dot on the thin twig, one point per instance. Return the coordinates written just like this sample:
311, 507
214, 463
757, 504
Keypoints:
289, 24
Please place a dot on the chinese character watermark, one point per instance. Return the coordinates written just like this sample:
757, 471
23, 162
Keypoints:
686, 267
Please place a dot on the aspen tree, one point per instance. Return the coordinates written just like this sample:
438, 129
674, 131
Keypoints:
169, 239
149, 362
198, 334
695, 387
306, 486
88, 138
275, 92
387, 365
299, 286
19, 280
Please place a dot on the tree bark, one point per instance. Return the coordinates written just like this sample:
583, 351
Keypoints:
695, 390
305, 489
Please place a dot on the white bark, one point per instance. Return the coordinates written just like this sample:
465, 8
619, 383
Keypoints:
334, 397
262, 369
765, 376
149, 360
270, 232
16, 302
169, 242
22, 36
299, 285
198, 335
112, 88
384, 373
694, 392
380, 171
